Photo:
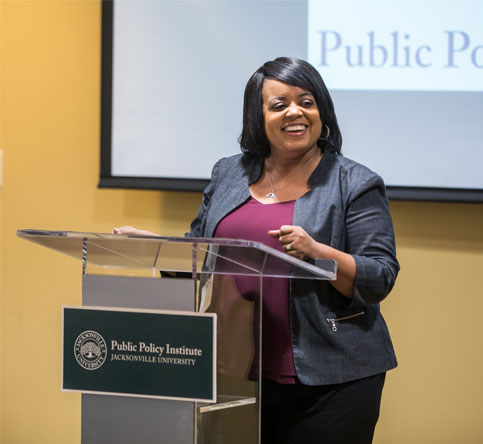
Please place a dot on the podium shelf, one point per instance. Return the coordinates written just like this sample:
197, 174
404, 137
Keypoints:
226, 402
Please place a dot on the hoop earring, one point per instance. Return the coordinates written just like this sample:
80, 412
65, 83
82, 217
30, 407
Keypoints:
327, 136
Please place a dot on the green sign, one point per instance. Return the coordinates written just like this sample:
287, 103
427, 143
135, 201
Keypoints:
149, 353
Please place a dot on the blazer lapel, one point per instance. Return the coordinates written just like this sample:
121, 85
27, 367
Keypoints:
234, 191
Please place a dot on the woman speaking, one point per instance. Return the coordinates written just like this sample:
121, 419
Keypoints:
326, 346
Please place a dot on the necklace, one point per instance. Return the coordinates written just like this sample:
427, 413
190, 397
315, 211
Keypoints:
271, 194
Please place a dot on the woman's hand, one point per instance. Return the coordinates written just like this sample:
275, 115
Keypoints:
131, 230
295, 241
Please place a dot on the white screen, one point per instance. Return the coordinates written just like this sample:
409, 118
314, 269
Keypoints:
179, 72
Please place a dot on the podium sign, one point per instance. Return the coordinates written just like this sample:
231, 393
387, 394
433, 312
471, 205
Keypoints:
146, 353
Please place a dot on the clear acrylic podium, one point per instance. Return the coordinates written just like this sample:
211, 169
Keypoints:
222, 276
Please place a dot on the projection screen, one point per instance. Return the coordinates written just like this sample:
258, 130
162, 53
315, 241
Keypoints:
406, 79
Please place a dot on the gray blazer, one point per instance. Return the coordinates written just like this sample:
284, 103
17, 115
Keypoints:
334, 339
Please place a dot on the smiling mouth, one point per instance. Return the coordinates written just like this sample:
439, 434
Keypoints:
295, 129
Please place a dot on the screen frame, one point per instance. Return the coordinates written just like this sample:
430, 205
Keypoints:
108, 180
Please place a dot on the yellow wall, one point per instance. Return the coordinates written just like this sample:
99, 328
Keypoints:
50, 54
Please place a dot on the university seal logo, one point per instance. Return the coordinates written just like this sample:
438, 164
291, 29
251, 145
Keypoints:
90, 350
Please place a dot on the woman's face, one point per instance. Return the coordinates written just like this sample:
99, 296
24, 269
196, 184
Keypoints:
292, 120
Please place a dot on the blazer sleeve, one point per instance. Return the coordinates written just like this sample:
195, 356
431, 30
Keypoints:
370, 237
199, 222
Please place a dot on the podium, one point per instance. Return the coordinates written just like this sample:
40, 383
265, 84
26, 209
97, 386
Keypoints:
221, 278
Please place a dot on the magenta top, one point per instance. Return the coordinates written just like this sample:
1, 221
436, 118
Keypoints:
251, 221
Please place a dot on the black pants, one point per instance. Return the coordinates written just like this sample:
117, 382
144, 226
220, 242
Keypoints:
334, 414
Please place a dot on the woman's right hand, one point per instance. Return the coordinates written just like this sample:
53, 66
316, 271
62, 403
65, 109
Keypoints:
131, 230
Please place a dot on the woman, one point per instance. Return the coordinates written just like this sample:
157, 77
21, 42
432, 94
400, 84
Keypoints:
292, 189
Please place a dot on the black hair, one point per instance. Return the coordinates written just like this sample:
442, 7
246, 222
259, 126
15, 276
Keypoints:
295, 72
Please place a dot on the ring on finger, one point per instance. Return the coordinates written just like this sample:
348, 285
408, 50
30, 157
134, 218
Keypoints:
289, 246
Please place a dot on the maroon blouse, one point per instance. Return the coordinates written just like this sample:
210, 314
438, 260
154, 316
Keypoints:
251, 221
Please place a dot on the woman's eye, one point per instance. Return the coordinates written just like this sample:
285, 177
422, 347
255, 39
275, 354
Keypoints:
307, 103
278, 106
